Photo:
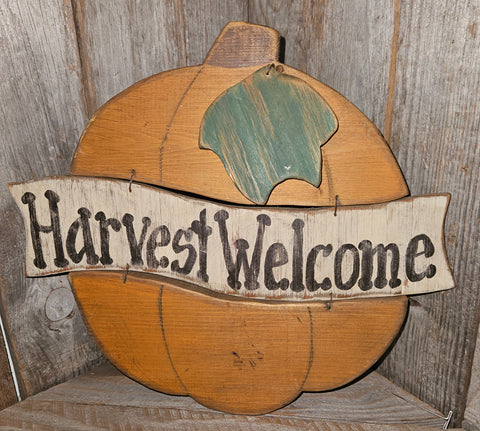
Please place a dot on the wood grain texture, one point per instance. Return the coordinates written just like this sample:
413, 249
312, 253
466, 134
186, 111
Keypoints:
261, 151
361, 30
126, 41
243, 44
205, 20
41, 117
293, 254
437, 90
104, 399
222, 388
237, 356
142, 129
181, 127
344, 44
125, 320
435, 118
472, 410
8, 395
123, 42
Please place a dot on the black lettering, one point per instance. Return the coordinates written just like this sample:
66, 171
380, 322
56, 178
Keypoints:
412, 253
365, 282
203, 231
250, 270
276, 256
35, 229
152, 244
339, 255
312, 284
135, 247
297, 259
381, 280
232, 280
87, 249
380, 250
105, 259
178, 248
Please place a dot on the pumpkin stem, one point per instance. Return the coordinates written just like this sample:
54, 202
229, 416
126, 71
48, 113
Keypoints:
241, 44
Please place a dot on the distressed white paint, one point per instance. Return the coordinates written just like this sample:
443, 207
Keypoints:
395, 222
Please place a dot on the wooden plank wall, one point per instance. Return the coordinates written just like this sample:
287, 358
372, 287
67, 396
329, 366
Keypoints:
434, 134
41, 118
412, 67
7, 387
472, 410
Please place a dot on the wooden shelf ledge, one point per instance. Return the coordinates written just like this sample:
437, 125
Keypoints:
106, 399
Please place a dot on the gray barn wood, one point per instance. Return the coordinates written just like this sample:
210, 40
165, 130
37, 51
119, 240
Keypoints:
105, 399
472, 410
7, 388
435, 129
122, 43
344, 44
41, 118
412, 67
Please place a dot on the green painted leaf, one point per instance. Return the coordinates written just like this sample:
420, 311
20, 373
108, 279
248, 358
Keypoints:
267, 128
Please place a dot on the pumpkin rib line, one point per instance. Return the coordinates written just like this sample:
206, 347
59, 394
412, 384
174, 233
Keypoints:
331, 187
160, 308
174, 114
310, 359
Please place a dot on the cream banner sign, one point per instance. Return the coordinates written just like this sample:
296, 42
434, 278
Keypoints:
79, 223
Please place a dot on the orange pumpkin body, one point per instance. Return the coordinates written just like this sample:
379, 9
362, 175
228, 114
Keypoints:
234, 355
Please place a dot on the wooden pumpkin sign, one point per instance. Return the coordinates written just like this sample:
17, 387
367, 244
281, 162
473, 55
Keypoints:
235, 231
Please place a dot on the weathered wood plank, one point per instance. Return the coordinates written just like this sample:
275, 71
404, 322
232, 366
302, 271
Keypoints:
472, 410
109, 400
168, 220
346, 45
437, 62
418, 61
7, 388
204, 21
124, 41
435, 137
42, 43
41, 117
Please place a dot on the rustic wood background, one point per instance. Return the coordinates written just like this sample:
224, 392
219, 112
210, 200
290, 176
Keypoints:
413, 67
